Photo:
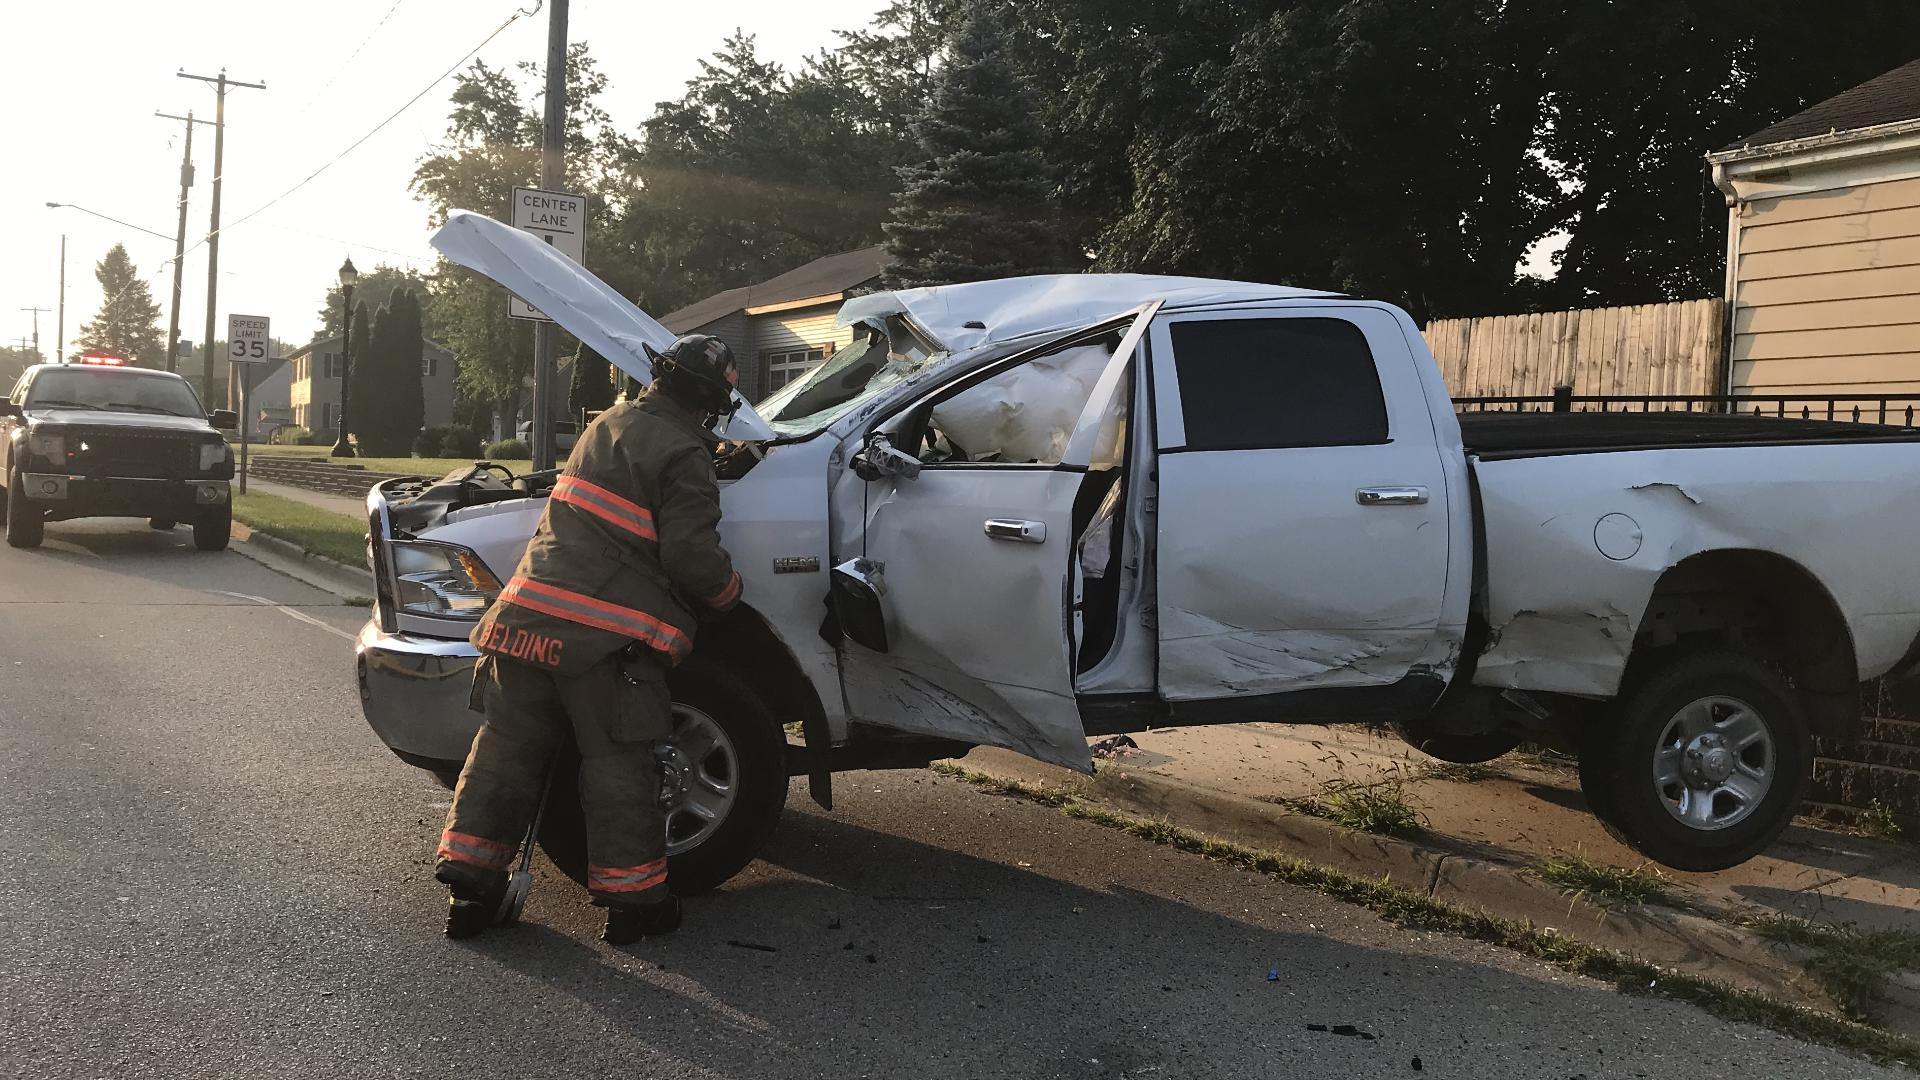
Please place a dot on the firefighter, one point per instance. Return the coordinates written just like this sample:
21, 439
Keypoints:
579, 643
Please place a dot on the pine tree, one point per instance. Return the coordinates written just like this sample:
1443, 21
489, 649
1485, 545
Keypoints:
388, 405
592, 388
409, 357
129, 321
357, 355
977, 206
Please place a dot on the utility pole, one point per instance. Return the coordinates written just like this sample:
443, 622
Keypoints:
62, 346
36, 330
179, 237
221, 82
553, 177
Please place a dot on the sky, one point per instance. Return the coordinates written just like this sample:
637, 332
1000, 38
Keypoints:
84, 77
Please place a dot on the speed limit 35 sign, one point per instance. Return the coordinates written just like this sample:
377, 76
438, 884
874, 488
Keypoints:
247, 339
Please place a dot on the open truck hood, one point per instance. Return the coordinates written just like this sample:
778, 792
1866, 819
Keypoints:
961, 317
567, 293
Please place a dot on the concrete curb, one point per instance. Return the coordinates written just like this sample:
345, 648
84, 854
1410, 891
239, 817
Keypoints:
1672, 939
297, 562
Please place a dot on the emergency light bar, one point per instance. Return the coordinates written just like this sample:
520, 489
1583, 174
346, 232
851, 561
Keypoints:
107, 359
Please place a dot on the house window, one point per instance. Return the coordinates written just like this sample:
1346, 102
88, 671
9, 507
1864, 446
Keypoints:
326, 416
430, 365
333, 365
786, 365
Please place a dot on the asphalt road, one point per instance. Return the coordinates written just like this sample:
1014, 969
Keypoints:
210, 867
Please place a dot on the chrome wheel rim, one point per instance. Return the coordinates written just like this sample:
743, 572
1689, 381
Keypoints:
699, 778
1714, 763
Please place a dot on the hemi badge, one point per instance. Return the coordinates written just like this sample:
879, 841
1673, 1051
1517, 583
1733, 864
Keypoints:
797, 564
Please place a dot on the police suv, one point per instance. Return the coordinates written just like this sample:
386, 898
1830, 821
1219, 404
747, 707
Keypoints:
99, 438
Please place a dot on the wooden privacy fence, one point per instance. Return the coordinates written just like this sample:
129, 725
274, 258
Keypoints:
1674, 348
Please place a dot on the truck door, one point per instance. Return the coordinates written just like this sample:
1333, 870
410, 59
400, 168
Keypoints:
972, 555
1302, 517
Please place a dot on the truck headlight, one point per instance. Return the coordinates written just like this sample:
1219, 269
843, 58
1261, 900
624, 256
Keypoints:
213, 455
51, 445
440, 580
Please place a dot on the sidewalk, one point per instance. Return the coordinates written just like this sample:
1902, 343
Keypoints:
1520, 810
1485, 832
339, 504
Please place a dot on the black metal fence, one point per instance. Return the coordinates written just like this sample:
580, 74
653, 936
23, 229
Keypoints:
1896, 409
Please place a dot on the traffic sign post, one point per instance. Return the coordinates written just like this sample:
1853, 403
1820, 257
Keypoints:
247, 340
559, 218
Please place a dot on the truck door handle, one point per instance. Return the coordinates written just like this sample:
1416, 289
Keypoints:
1391, 496
1017, 531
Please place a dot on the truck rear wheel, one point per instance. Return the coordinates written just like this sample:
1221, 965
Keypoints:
26, 524
723, 783
213, 527
1708, 763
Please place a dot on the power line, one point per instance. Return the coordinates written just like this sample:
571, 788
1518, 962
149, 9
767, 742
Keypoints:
395, 115
341, 67
115, 220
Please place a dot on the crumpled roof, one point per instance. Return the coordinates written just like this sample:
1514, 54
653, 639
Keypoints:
977, 313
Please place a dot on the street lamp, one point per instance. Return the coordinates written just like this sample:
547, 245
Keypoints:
348, 275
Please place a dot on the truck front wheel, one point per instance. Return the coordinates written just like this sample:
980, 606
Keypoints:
213, 527
723, 783
1708, 762
26, 523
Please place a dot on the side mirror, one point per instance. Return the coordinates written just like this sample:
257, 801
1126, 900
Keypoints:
9, 407
225, 419
879, 458
855, 595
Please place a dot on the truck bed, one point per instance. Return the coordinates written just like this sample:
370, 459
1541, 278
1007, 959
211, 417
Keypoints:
1498, 435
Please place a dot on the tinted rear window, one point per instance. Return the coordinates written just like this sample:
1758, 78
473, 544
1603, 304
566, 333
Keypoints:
1252, 383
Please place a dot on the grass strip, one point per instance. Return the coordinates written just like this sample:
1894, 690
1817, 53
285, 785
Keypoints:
340, 537
1408, 908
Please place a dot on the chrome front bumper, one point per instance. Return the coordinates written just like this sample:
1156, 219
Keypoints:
414, 691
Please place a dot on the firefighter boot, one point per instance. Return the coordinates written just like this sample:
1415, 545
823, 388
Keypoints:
472, 908
626, 925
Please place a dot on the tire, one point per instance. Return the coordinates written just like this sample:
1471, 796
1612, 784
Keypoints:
702, 689
213, 527
162, 524
1737, 763
26, 527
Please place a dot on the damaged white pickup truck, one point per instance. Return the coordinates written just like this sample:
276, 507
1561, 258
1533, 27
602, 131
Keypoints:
1021, 513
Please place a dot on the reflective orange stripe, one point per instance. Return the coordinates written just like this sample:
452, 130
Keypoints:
725, 597
627, 878
475, 850
588, 611
605, 505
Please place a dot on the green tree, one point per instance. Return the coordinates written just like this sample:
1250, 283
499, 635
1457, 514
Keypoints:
592, 388
492, 146
12, 363
358, 359
388, 400
128, 323
1418, 152
977, 205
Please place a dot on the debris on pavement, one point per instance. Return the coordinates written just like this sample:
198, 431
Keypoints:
754, 945
1273, 974
1348, 1030
1115, 746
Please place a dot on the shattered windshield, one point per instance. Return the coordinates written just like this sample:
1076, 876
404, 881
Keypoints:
880, 358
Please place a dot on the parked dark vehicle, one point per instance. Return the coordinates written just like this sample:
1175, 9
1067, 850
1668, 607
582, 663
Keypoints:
100, 439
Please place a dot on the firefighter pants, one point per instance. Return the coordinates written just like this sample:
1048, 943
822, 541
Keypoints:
614, 712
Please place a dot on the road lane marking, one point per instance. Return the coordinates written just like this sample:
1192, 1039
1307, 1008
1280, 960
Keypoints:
290, 613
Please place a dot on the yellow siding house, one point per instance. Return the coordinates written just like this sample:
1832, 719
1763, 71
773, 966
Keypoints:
1823, 245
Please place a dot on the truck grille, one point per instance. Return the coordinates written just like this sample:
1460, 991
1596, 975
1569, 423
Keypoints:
132, 453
